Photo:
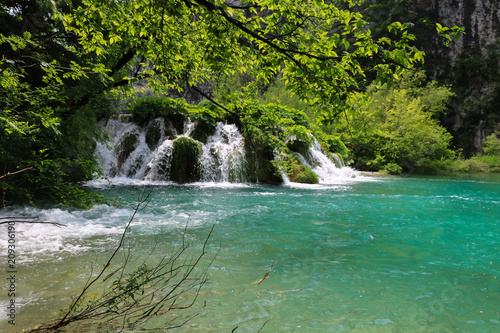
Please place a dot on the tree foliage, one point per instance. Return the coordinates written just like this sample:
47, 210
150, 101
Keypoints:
391, 128
323, 52
52, 153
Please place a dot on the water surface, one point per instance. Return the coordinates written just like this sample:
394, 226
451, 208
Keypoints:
389, 254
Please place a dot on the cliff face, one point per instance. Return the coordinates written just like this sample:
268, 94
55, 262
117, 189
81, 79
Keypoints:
471, 66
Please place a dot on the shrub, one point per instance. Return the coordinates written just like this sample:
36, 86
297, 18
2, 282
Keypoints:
393, 169
147, 108
489, 162
491, 145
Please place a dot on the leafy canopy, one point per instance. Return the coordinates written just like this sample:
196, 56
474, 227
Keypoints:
324, 53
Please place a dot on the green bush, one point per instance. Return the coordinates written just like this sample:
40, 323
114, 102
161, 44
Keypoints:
488, 162
393, 169
491, 145
147, 108
473, 164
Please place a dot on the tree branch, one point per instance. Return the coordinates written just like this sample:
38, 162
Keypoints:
15, 172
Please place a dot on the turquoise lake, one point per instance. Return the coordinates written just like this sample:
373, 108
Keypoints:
371, 254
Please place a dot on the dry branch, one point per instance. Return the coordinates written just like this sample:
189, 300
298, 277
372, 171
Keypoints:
141, 292
26, 219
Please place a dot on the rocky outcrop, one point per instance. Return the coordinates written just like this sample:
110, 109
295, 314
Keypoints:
471, 65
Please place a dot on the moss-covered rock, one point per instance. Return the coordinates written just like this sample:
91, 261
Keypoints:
260, 169
153, 135
203, 130
299, 173
299, 146
126, 146
267, 173
177, 120
135, 166
185, 160
306, 176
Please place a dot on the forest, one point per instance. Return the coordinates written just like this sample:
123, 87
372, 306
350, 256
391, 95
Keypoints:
343, 71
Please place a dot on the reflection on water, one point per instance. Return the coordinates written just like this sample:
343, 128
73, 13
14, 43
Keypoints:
385, 255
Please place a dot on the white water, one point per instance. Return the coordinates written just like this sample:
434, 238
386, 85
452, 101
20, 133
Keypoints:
324, 167
223, 158
222, 161
160, 164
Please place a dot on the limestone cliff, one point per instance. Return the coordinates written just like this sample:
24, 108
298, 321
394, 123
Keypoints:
471, 66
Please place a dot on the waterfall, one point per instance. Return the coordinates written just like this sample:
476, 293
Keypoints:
327, 166
146, 152
159, 166
223, 158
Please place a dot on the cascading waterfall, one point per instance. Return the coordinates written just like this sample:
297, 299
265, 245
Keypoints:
223, 158
146, 153
159, 166
328, 168
131, 152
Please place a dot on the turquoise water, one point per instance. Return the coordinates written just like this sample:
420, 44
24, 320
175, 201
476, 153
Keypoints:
416, 254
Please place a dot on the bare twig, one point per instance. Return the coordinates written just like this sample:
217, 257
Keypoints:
266, 275
263, 326
15, 172
25, 219
139, 293
143, 201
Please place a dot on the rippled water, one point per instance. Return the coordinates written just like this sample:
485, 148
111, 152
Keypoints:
385, 254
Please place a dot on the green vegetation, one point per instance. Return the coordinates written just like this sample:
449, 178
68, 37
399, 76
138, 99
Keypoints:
397, 130
148, 108
299, 173
489, 161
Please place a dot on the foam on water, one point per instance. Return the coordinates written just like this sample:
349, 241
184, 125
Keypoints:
48, 241
84, 230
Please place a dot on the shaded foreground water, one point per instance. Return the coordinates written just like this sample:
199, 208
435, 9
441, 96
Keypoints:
385, 254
